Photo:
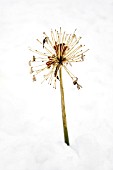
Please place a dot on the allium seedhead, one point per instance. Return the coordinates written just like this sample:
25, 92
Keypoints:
61, 50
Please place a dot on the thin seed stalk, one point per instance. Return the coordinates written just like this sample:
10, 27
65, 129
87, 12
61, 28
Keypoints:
66, 138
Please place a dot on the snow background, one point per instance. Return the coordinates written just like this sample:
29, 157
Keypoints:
31, 132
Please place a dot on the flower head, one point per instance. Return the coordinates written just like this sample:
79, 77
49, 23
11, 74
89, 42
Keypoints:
59, 50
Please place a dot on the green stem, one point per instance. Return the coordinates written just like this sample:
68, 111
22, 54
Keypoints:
66, 138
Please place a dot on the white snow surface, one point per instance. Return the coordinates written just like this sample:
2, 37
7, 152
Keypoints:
31, 132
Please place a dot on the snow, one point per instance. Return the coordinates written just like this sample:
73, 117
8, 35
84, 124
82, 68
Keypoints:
31, 132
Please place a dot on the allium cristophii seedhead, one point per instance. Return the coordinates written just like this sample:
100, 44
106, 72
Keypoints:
58, 50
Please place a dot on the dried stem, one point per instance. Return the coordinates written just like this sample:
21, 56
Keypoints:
66, 138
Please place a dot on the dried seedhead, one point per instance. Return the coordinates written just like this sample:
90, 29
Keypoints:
61, 50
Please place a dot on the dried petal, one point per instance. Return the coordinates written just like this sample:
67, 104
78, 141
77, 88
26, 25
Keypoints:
31, 70
34, 78
34, 58
78, 86
75, 81
30, 63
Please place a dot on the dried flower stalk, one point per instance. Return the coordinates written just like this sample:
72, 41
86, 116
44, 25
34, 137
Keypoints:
59, 51
66, 137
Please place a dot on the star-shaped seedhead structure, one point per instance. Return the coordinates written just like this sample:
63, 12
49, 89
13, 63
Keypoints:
58, 50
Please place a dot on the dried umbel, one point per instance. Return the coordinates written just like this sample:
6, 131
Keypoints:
60, 50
